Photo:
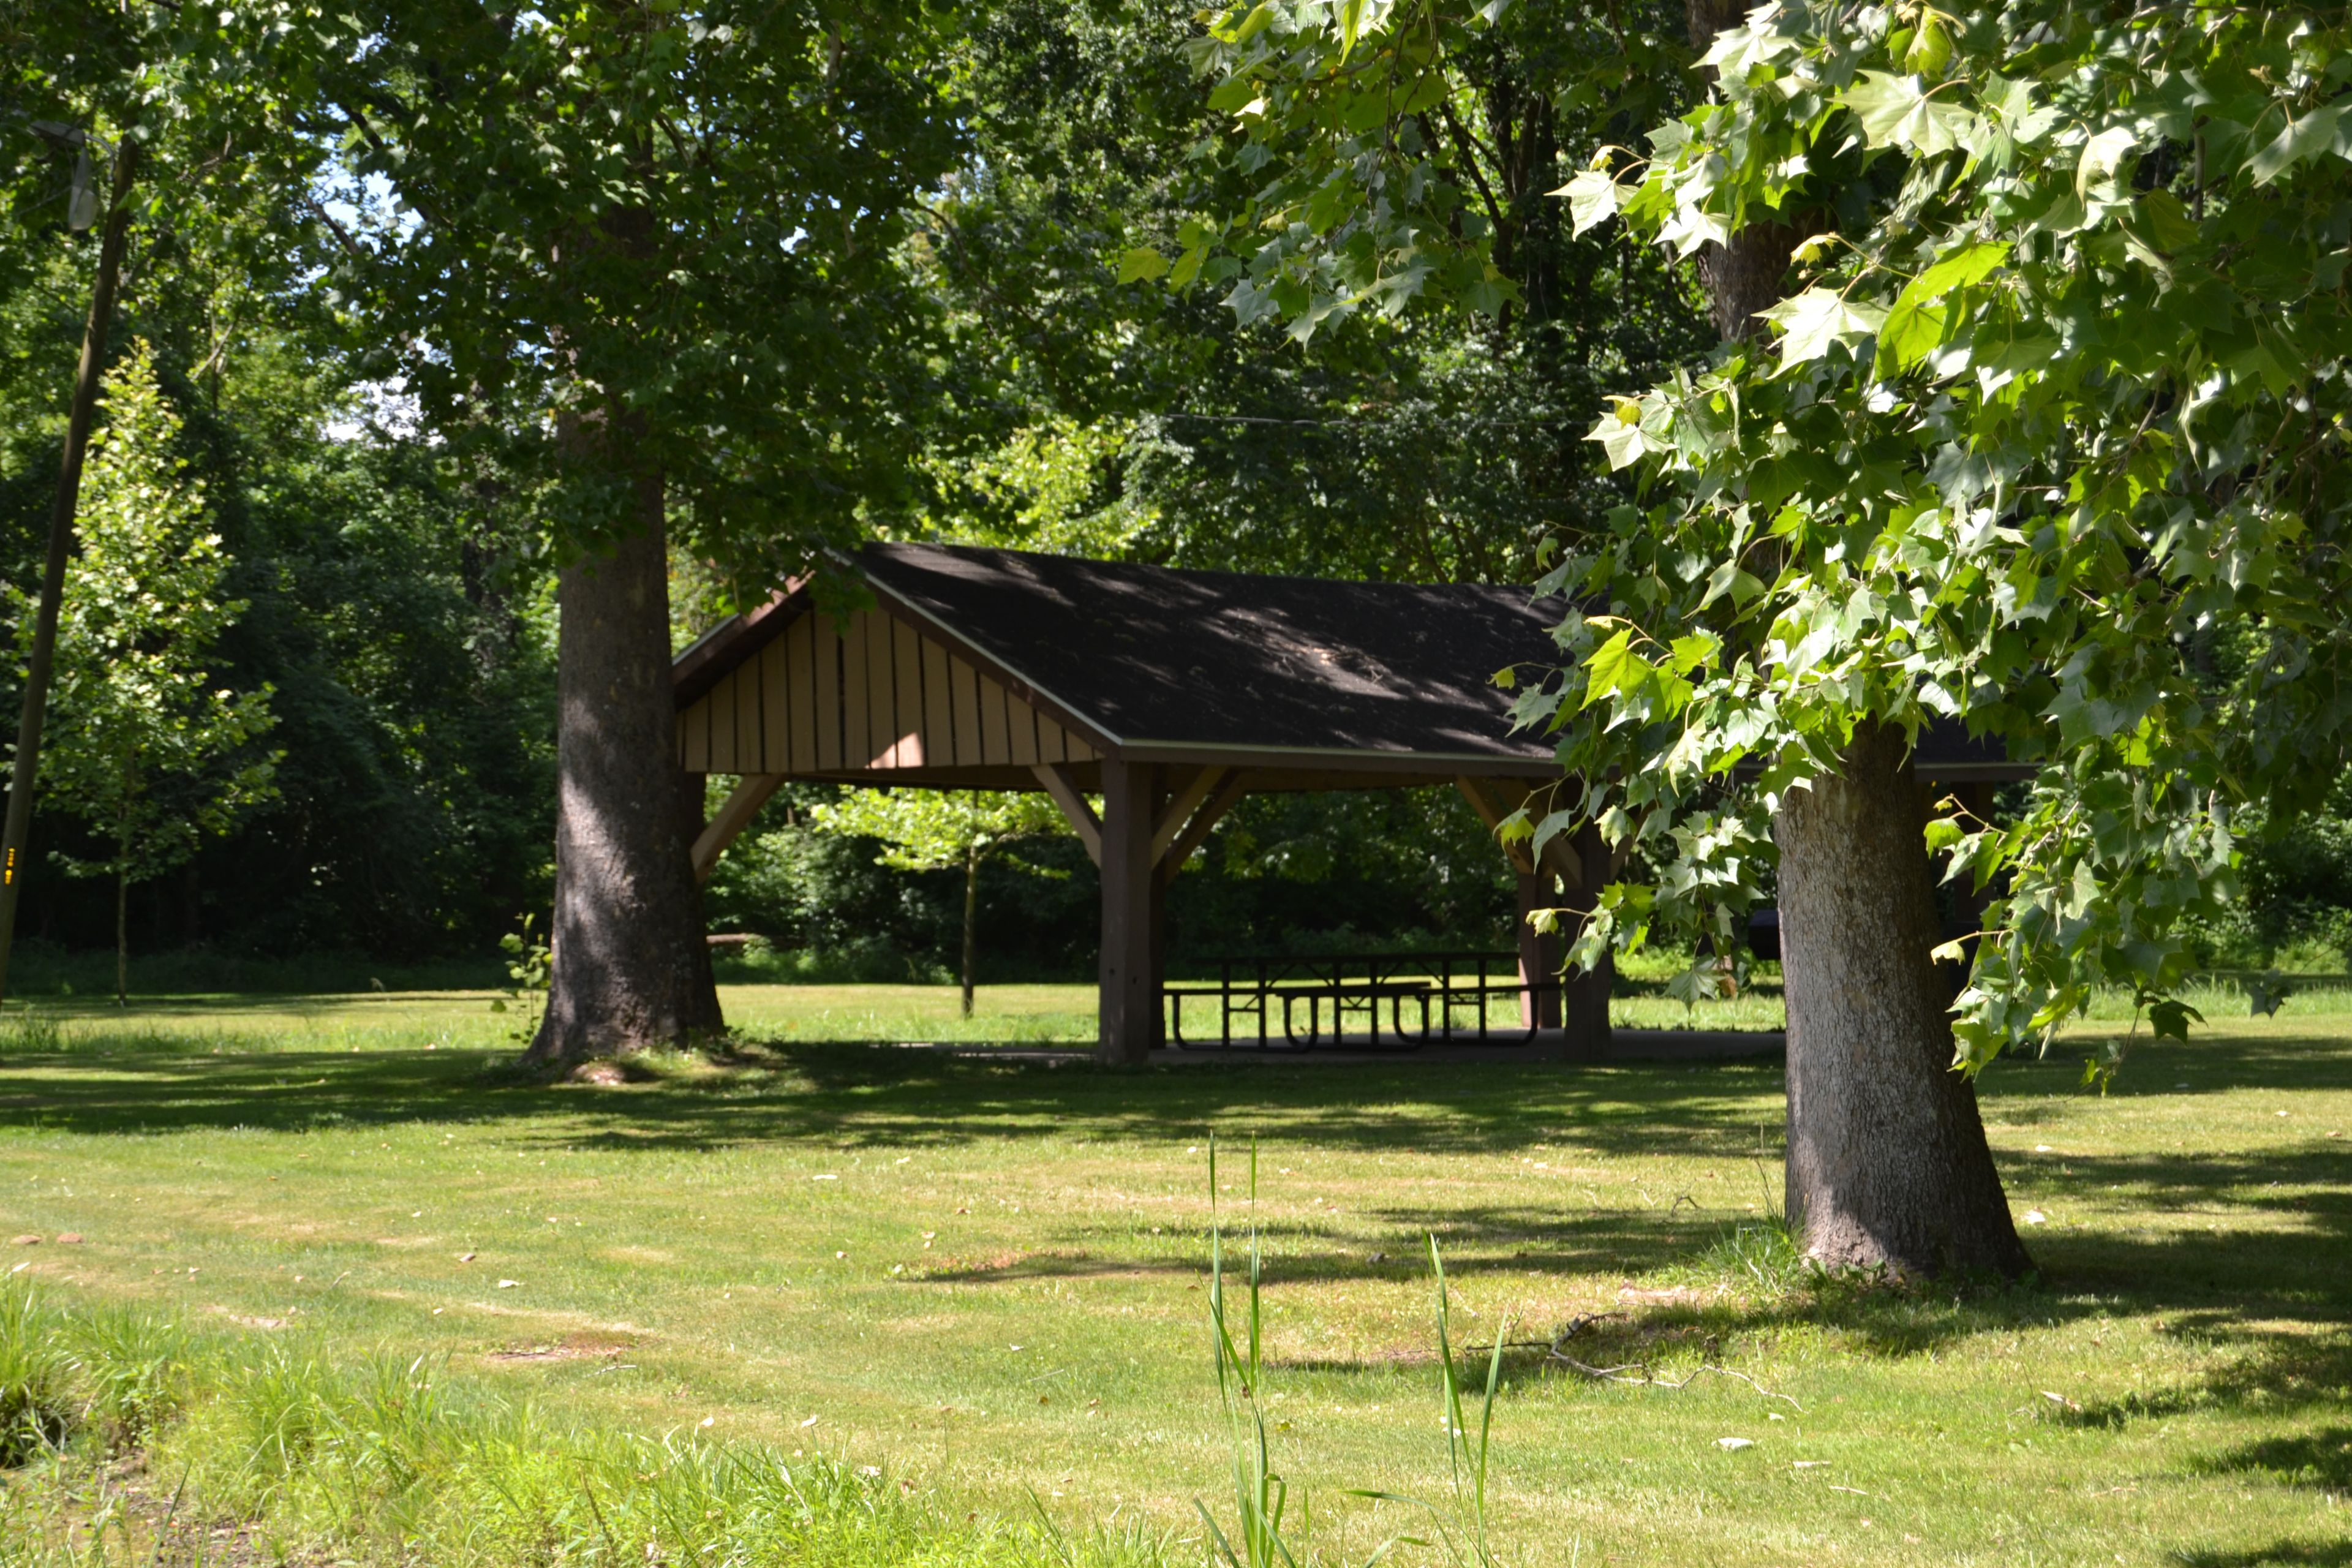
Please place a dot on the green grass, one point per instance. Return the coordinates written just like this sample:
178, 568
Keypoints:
985, 1278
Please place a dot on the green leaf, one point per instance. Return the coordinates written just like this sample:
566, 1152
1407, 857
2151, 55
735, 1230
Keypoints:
2103, 155
1732, 579
2305, 139
1352, 24
1257, 22
1931, 47
1897, 111
2170, 1019
1141, 265
1690, 652
1911, 332
1817, 319
2013, 101
1619, 431
1592, 198
1612, 667
1916, 326
2168, 224
1962, 267
1507, 676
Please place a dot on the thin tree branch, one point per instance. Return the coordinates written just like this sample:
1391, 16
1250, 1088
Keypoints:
1470, 151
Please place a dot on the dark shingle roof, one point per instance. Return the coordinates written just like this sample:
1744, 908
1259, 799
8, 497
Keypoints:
1153, 656
1150, 654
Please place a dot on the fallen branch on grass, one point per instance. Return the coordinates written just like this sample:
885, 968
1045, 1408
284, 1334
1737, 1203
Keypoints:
1651, 1380
1637, 1372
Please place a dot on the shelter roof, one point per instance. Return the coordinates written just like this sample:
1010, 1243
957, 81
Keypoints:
1223, 667
1160, 657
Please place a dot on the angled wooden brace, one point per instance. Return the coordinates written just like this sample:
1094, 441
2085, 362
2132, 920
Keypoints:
1055, 780
1218, 790
1492, 807
735, 814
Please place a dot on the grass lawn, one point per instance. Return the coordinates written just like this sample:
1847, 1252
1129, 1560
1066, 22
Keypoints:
985, 1277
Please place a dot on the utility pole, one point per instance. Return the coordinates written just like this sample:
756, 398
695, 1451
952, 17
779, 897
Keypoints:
27, 760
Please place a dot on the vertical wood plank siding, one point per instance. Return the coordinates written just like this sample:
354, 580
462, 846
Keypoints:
856, 682
881, 697
964, 686
870, 695
939, 726
907, 662
826, 693
799, 672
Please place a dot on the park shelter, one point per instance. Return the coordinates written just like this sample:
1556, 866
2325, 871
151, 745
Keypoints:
1168, 694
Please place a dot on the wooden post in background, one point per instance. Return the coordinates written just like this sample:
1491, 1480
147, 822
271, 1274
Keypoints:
1539, 953
1129, 1006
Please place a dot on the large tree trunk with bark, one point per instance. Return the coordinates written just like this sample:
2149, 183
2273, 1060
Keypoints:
1887, 1159
1887, 1162
632, 969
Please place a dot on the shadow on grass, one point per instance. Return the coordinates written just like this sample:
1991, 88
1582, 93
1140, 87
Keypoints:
2223, 1284
2320, 1459
865, 1096
2278, 1554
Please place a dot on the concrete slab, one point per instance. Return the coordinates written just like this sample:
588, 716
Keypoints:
1548, 1046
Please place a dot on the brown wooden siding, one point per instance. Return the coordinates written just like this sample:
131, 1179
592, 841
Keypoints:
870, 695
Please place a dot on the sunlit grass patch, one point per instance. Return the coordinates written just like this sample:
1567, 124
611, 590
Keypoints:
985, 1277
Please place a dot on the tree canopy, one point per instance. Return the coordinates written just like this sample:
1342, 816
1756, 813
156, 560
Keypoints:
2048, 445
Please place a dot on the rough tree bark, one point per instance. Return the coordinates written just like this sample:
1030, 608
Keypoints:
632, 969
1887, 1162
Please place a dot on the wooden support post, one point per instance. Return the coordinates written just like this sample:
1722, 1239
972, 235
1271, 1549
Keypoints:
1539, 953
1582, 866
1128, 1003
735, 814
1165, 820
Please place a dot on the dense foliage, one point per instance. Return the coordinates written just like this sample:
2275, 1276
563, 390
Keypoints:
407, 660
2049, 444
150, 752
1018, 369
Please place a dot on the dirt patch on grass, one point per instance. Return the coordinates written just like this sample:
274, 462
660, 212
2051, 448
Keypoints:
581, 1346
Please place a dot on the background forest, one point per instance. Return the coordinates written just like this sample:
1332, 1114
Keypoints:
400, 613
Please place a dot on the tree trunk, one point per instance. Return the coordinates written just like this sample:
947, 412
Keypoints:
971, 919
1887, 1161
1584, 997
24, 765
632, 969
123, 939
1744, 276
1540, 954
